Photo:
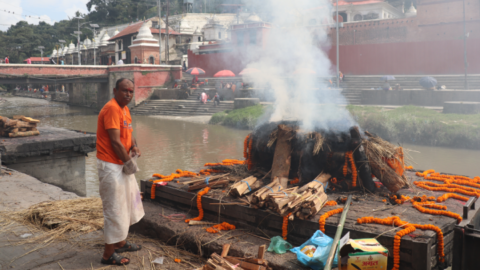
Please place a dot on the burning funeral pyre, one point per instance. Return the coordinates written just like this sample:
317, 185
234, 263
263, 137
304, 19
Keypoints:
301, 166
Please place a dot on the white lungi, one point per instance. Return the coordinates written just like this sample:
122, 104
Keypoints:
122, 204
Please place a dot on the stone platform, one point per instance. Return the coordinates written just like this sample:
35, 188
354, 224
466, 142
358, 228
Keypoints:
418, 250
56, 156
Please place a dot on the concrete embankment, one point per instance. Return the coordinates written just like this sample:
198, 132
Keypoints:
19, 191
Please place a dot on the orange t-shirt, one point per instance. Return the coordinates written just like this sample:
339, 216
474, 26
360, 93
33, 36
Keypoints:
112, 116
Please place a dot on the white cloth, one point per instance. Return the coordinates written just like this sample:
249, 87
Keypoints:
120, 62
122, 204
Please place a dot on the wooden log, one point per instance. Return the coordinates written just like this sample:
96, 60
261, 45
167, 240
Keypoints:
214, 184
17, 117
243, 186
245, 265
283, 155
202, 179
317, 183
361, 160
214, 265
26, 124
30, 120
24, 134
261, 251
225, 250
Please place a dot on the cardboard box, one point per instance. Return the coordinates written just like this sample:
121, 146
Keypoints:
362, 254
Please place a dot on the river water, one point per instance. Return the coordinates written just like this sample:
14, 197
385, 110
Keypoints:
167, 145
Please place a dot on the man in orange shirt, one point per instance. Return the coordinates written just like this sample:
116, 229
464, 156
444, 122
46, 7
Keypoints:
117, 152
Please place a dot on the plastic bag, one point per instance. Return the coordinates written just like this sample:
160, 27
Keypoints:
323, 244
278, 245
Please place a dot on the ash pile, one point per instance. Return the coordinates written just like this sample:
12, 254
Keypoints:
304, 166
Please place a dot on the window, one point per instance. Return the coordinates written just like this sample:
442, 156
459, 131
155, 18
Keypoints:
219, 35
120, 45
199, 39
151, 60
357, 17
240, 38
135, 60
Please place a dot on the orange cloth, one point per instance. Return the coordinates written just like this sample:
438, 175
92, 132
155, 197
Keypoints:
112, 116
397, 163
233, 88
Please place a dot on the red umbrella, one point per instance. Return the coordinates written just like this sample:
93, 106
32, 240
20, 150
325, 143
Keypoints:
195, 71
224, 73
248, 71
304, 71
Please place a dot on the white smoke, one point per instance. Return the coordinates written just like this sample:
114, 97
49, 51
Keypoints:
296, 45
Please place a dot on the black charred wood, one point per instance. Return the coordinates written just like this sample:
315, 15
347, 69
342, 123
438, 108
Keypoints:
361, 160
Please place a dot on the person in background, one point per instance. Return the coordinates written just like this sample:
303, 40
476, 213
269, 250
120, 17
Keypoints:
204, 98
386, 86
61, 62
29, 61
120, 62
117, 152
7, 61
184, 66
52, 61
397, 87
216, 100
233, 87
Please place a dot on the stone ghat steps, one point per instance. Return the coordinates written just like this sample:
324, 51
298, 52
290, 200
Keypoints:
180, 108
409, 82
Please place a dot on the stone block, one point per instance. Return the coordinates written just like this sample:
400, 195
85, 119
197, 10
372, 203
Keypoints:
461, 107
240, 103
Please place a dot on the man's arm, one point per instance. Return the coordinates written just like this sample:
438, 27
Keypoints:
135, 150
117, 145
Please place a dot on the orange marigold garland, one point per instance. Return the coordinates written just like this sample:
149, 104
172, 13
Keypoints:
323, 218
226, 162
224, 226
354, 169
249, 160
285, 226
199, 205
245, 147
401, 200
422, 209
345, 167
409, 228
447, 196
162, 178
294, 181
330, 203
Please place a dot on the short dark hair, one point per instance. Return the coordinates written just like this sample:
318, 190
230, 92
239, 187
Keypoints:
119, 81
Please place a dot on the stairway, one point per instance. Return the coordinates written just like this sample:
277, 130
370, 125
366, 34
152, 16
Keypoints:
407, 82
180, 107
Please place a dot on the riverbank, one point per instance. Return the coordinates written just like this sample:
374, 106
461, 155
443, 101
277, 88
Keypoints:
25, 246
407, 124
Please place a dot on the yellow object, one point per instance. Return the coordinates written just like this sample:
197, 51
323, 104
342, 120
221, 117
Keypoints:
363, 254
308, 250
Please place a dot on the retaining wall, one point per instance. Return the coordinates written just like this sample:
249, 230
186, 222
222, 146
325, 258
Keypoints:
417, 97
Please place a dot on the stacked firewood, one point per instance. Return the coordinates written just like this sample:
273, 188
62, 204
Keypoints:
304, 202
225, 262
19, 126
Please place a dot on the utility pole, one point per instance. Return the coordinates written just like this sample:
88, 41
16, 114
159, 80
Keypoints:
167, 48
465, 46
40, 48
338, 53
78, 39
159, 32
94, 43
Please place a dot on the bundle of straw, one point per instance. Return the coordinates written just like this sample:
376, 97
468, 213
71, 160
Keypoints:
377, 151
77, 215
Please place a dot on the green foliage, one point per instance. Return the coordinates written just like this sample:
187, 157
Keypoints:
246, 118
418, 125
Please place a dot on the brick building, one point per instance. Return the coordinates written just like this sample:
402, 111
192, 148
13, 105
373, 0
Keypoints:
427, 39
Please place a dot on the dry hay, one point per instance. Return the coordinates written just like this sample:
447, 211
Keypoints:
377, 150
55, 218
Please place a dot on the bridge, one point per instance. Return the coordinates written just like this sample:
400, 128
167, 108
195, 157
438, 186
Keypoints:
91, 85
